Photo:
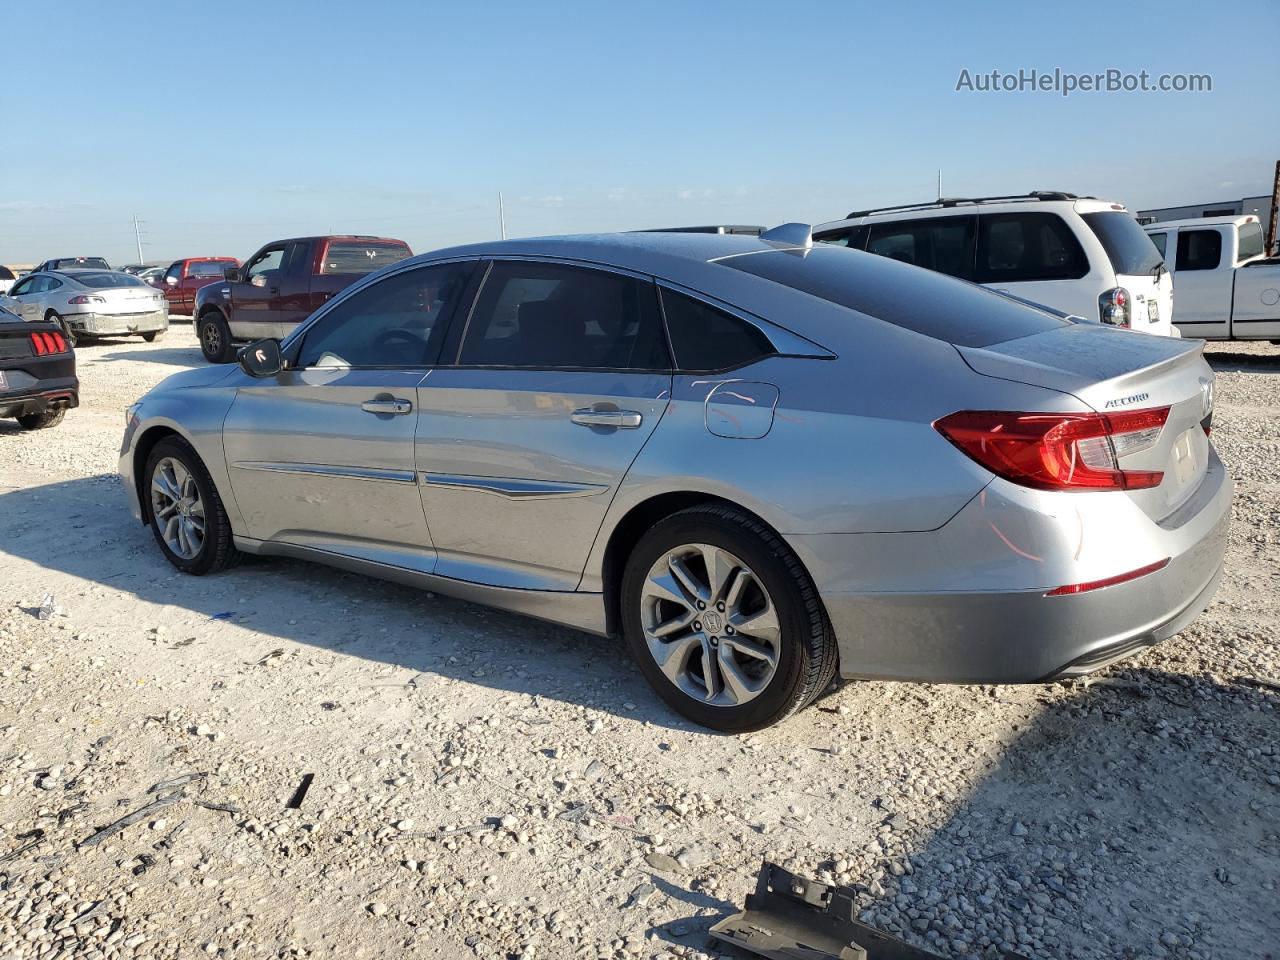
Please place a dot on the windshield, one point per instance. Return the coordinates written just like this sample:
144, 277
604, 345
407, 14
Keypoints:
362, 256
101, 280
930, 303
1129, 247
88, 263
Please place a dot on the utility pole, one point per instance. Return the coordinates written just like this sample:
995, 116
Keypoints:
939, 184
137, 235
1271, 221
502, 217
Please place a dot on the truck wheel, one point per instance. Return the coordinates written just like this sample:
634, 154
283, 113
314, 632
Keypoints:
48, 417
215, 338
65, 327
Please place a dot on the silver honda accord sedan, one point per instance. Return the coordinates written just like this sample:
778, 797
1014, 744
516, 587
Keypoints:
762, 462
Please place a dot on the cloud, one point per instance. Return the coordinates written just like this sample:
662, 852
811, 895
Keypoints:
616, 194
38, 206
704, 194
548, 200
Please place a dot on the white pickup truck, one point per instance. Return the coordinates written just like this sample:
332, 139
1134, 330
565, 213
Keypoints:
1225, 287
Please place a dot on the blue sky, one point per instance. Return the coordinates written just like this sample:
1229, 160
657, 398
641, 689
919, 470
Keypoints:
229, 124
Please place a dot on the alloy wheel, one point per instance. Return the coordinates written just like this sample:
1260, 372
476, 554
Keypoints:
710, 625
212, 338
177, 508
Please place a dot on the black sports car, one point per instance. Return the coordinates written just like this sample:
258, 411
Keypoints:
37, 372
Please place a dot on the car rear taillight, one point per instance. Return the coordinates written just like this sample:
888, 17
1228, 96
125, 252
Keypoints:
1059, 451
47, 343
87, 299
1113, 307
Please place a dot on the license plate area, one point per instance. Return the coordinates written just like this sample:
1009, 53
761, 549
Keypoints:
1153, 312
1184, 458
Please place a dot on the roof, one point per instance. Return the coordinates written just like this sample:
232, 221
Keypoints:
1157, 225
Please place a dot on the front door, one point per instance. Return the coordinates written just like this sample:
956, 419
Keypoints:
323, 454
27, 293
536, 413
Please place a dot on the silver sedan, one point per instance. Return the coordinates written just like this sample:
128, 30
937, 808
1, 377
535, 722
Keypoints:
764, 463
91, 303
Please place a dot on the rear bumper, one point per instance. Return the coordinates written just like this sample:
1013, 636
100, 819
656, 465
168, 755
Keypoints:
106, 324
21, 405
1023, 635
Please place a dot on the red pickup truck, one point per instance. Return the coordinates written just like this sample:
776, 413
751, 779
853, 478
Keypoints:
280, 285
184, 277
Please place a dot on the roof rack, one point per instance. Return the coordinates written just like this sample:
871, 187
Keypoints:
943, 202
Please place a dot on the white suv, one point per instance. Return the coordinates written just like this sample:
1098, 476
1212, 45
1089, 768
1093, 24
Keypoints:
1078, 255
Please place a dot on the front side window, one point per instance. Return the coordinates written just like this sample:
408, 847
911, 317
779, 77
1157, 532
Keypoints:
1199, 249
396, 322
23, 286
547, 315
1251, 242
1023, 247
174, 272
267, 260
706, 339
1160, 241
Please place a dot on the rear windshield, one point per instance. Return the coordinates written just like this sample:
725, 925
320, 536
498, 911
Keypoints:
1251, 244
209, 268
921, 300
355, 256
87, 263
1129, 247
100, 280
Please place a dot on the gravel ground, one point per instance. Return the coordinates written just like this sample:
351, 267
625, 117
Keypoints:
484, 785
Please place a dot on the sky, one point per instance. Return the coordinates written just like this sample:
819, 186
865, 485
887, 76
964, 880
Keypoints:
225, 125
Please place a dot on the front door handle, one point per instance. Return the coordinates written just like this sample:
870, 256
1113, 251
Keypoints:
393, 405
622, 419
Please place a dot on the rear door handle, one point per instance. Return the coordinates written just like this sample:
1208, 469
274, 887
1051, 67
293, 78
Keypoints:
389, 405
622, 419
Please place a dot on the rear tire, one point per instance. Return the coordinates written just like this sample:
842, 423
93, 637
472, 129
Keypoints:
215, 338
65, 327
186, 513
46, 418
763, 629
153, 336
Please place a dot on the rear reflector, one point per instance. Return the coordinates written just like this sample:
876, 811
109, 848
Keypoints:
1059, 451
1109, 581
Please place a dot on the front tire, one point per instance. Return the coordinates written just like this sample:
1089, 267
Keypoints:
187, 517
215, 338
724, 621
46, 418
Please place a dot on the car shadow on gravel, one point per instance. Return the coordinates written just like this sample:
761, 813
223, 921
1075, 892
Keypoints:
82, 528
1225, 362
188, 356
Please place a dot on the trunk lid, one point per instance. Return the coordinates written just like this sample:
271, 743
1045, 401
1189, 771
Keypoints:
1111, 371
128, 300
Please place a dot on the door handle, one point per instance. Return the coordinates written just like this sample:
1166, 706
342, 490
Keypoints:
388, 405
622, 419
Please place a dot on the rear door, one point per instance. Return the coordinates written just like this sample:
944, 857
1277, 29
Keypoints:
1203, 278
322, 455
554, 384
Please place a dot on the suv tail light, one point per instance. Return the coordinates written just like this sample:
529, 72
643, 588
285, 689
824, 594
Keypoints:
1113, 307
1059, 451
47, 343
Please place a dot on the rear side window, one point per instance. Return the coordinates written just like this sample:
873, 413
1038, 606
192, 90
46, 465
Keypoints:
208, 268
546, 315
1159, 241
920, 300
1128, 246
356, 256
705, 338
1251, 243
1199, 249
944, 244
1026, 247
396, 322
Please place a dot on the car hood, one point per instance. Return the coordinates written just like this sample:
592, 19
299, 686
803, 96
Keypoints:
199, 377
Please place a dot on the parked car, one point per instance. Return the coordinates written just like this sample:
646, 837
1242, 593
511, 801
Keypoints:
280, 285
848, 465
6, 279
73, 263
91, 303
37, 372
150, 275
1079, 255
183, 278
1228, 289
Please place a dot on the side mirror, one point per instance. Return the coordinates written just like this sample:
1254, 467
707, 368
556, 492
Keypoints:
170, 280
232, 274
261, 359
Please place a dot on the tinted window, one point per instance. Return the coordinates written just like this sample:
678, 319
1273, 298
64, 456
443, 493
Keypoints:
357, 256
1251, 243
23, 286
547, 315
6, 273
1159, 240
705, 338
929, 303
855, 237
174, 271
944, 244
1199, 249
1020, 247
208, 268
267, 260
396, 322
1127, 245
105, 280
